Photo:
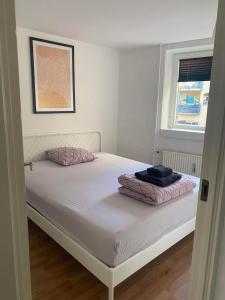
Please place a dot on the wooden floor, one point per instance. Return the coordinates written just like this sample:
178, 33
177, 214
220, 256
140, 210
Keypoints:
58, 276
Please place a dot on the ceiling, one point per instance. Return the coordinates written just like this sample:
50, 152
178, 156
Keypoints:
120, 23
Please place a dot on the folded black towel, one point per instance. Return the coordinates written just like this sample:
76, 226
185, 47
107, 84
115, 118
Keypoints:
159, 181
159, 171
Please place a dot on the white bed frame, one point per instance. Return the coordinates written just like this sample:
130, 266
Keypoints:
34, 147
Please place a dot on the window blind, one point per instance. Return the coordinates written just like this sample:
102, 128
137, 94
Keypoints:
195, 69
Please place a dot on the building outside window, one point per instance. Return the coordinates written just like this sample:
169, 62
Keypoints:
192, 103
190, 91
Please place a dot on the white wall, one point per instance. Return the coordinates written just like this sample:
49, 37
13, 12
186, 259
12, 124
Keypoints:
138, 93
96, 79
104, 76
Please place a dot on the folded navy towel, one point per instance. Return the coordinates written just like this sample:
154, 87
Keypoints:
159, 181
159, 171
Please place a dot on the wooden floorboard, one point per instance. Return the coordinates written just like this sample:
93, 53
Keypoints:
58, 276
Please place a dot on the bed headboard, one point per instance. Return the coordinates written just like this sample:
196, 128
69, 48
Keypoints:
35, 146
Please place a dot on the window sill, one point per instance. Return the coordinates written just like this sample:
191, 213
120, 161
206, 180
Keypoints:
183, 134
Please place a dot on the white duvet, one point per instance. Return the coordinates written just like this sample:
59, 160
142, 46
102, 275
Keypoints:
83, 201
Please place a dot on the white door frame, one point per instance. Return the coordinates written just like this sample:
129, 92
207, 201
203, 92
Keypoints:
14, 255
211, 214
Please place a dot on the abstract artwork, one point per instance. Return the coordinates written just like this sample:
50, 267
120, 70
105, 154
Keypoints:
52, 68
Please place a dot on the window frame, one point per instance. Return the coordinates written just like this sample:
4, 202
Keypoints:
173, 93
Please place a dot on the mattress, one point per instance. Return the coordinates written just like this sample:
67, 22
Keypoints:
83, 201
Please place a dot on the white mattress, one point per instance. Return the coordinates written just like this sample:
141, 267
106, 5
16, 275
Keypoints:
84, 202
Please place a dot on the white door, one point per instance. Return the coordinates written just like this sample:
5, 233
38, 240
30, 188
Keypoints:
14, 255
211, 208
15, 282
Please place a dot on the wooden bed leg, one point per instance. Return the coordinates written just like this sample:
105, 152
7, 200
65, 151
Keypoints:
111, 293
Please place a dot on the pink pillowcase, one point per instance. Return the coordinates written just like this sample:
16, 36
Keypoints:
67, 156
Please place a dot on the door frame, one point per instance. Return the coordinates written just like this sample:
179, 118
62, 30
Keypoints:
14, 250
211, 214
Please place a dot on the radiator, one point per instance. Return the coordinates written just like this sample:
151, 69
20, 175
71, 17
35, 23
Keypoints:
183, 162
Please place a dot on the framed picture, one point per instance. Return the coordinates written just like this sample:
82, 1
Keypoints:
53, 82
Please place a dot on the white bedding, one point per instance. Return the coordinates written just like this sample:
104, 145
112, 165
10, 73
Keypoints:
84, 202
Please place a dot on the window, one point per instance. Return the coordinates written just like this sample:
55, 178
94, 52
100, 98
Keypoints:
190, 90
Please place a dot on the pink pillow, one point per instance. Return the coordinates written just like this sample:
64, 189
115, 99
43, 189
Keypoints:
67, 156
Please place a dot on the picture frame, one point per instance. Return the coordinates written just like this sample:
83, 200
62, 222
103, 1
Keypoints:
53, 76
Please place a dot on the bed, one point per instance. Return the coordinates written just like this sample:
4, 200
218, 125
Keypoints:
80, 208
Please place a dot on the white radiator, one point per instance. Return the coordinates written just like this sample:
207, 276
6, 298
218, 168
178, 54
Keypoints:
183, 162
